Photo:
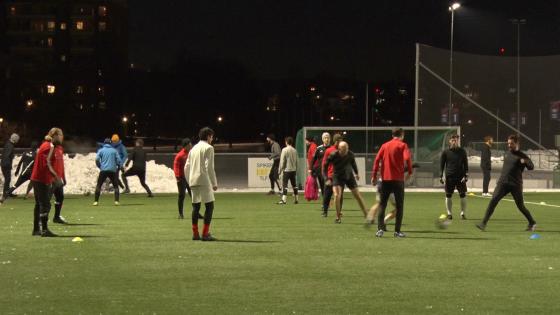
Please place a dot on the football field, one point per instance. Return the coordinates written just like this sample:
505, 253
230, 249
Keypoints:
138, 258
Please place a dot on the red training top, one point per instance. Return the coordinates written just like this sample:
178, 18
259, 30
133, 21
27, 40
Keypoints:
41, 171
310, 154
59, 161
392, 155
179, 163
328, 152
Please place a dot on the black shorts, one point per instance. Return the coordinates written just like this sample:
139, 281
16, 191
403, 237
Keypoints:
345, 181
452, 183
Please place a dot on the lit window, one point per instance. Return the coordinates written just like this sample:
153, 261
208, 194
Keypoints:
102, 26
63, 58
63, 26
51, 25
80, 89
13, 10
103, 11
80, 25
51, 89
99, 72
50, 41
101, 90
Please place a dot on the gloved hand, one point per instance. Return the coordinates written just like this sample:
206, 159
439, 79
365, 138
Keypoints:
465, 179
441, 179
64, 181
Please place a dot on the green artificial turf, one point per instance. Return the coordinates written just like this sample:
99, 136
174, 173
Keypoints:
139, 259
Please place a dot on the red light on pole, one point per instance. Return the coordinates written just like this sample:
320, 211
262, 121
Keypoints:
502, 50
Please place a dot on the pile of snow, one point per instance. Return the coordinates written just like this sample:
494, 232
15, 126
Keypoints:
81, 176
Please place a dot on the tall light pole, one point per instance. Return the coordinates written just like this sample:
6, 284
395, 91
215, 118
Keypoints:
518, 22
452, 9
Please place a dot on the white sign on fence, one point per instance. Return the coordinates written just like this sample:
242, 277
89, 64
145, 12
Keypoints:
259, 168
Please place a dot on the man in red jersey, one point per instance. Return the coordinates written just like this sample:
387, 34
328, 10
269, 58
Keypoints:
58, 190
179, 169
390, 162
43, 177
327, 196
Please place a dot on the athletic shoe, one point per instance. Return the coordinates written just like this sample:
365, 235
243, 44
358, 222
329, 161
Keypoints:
59, 220
126, 191
208, 238
281, 202
95, 204
117, 203
181, 216
531, 227
196, 237
369, 223
48, 233
379, 233
325, 214
36, 233
449, 217
337, 220
399, 234
463, 217
150, 195
296, 202
481, 226
270, 192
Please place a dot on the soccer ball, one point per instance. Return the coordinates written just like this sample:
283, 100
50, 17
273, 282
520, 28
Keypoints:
442, 223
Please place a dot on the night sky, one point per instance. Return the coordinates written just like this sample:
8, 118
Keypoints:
365, 40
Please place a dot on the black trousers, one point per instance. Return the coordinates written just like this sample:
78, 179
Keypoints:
103, 175
317, 174
7, 173
500, 192
388, 188
273, 175
43, 195
22, 179
58, 193
182, 186
135, 171
485, 180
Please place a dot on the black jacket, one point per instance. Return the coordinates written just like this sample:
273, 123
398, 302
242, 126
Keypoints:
7, 155
455, 163
344, 166
512, 171
485, 157
25, 165
138, 158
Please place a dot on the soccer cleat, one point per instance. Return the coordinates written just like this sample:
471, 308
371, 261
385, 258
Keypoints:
59, 220
47, 233
481, 226
181, 216
126, 191
369, 223
337, 220
117, 203
196, 237
296, 202
95, 204
36, 233
270, 193
463, 217
208, 238
531, 227
379, 233
150, 195
449, 217
281, 202
399, 235
325, 214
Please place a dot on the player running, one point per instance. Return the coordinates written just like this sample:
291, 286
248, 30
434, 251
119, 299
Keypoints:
456, 165
328, 174
6, 164
288, 170
345, 174
138, 159
511, 181
25, 166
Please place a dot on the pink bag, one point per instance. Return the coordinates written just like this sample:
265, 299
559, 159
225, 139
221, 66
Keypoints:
311, 188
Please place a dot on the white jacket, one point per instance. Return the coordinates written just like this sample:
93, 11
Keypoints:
199, 168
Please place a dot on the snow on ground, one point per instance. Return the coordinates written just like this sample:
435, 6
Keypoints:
81, 176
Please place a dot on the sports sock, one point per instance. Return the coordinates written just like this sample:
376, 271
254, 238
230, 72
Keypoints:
284, 196
448, 205
463, 205
195, 229
206, 229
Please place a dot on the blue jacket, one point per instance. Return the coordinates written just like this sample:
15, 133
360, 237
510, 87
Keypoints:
108, 159
121, 149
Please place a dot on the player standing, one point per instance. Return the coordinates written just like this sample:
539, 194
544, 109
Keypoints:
328, 174
24, 169
109, 163
288, 170
345, 174
138, 159
456, 165
6, 164
317, 161
511, 181
486, 164
201, 176
275, 157
390, 162
43, 177
179, 169
58, 190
